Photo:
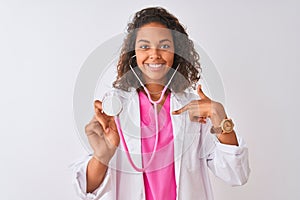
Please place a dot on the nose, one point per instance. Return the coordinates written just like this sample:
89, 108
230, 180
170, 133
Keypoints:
154, 54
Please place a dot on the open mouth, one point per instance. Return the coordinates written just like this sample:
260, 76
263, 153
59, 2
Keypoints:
155, 67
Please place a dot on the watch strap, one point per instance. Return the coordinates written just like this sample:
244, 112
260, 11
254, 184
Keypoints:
216, 130
220, 129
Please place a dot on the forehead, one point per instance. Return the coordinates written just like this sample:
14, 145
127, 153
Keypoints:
154, 31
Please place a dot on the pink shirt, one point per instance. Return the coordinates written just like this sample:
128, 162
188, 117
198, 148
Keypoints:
159, 178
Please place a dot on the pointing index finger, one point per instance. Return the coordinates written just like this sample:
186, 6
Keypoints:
181, 110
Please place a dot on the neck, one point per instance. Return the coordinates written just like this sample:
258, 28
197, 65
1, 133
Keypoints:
154, 88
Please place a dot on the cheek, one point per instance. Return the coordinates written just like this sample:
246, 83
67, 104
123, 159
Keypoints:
139, 61
138, 58
170, 59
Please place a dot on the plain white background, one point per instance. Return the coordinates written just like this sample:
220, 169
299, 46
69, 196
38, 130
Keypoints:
43, 44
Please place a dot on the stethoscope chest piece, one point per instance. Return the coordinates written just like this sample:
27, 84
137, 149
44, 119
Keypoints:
112, 105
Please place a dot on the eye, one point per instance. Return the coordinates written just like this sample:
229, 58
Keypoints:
145, 46
165, 46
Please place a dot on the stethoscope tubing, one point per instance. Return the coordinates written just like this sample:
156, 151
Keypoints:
155, 103
143, 169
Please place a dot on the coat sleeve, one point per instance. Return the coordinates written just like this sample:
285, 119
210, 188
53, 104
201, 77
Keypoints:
103, 192
228, 162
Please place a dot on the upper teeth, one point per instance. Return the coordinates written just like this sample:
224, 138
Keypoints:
155, 65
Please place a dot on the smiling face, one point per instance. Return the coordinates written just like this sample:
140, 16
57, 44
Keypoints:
154, 49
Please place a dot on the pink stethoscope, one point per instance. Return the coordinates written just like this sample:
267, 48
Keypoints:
112, 106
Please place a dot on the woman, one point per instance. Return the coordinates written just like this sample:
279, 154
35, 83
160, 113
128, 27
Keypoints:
158, 63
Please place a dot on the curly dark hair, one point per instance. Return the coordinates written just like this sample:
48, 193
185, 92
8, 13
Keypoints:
185, 53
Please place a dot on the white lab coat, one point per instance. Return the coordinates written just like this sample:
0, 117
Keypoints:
195, 151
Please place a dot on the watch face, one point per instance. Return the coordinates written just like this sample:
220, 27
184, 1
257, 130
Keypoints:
228, 126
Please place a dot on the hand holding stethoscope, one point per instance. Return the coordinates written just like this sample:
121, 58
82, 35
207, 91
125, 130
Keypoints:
200, 110
102, 134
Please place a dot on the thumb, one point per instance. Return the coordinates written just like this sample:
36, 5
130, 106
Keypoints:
201, 93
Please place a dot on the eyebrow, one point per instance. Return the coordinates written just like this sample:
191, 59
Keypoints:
161, 41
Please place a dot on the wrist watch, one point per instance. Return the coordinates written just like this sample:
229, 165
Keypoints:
226, 126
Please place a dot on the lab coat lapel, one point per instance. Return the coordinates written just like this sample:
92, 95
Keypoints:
130, 124
178, 123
